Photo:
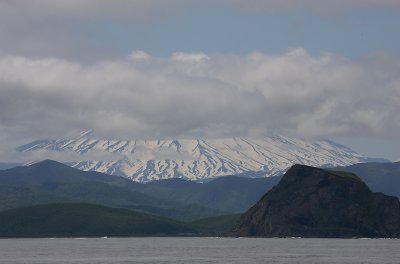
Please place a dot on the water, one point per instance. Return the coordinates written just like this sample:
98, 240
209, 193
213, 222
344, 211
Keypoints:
198, 250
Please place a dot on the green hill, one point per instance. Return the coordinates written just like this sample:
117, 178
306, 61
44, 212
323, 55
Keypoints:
230, 193
49, 181
52, 182
217, 225
85, 220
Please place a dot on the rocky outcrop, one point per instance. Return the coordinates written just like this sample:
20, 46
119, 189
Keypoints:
311, 202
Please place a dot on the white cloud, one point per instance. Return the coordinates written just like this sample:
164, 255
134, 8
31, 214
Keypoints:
140, 55
220, 95
189, 57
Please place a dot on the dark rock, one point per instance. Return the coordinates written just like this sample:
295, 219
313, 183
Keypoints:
311, 202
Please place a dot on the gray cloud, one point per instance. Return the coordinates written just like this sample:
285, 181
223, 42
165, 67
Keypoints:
57, 78
70, 29
89, 9
316, 5
201, 95
36, 10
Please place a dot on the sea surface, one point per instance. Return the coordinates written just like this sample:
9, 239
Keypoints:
198, 250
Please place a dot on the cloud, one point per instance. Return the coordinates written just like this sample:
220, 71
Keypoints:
316, 5
189, 57
155, 9
120, 9
101, 29
139, 55
219, 95
71, 29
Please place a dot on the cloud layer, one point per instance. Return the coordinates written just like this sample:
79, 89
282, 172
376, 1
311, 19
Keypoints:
96, 29
199, 95
316, 5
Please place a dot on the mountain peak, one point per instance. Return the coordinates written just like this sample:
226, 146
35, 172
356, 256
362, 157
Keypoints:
196, 159
49, 165
312, 202
299, 170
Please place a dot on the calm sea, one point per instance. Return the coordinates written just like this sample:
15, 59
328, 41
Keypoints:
198, 250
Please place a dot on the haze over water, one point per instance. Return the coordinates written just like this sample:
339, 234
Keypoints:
198, 250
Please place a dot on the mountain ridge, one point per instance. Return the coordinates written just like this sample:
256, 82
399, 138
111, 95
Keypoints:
380, 177
50, 181
196, 159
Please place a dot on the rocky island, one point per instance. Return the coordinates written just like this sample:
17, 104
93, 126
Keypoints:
312, 202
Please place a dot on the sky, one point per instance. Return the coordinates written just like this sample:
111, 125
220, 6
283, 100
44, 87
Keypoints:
145, 69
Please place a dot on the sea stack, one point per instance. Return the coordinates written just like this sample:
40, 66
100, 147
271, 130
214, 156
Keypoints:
312, 202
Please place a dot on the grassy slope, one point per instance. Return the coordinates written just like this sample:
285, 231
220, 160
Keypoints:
50, 182
217, 225
230, 193
79, 219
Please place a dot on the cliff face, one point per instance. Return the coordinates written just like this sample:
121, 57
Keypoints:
311, 202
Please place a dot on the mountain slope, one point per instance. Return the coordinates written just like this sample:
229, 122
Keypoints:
77, 219
380, 177
216, 225
228, 193
311, 202
50, 182
196, 159
6, 166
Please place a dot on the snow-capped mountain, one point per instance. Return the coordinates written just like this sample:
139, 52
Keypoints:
196, 159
